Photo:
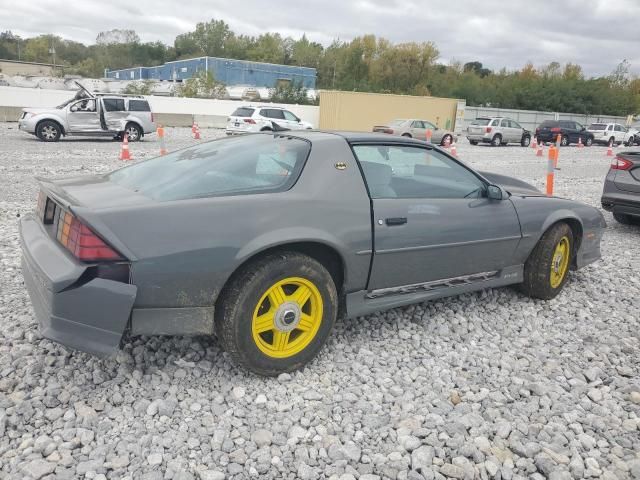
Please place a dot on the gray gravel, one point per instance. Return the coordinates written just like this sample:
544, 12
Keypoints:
485, 385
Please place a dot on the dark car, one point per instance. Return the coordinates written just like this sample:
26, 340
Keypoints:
570, 130
264, 239
621, 194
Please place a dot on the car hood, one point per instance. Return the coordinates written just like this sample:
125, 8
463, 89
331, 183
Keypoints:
38, 111
513, 185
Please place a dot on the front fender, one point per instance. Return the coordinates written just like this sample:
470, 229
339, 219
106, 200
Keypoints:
56, 118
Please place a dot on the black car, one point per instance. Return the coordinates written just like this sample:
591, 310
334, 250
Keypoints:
570, 130
621, 193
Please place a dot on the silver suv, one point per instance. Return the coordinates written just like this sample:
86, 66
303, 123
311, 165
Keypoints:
91, 114
497, 131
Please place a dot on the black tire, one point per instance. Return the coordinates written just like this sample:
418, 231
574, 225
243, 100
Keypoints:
537, 269
624, 219
241, 297
473, 142
564, 141
630, 142
496, 141
266, 129
588, 141
406, 135
48, 131
526, 140
443, 142
133, 132
612, 141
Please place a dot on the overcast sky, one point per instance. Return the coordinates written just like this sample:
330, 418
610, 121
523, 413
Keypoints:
596, 34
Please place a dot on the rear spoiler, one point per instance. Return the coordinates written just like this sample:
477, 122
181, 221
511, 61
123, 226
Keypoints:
58, 193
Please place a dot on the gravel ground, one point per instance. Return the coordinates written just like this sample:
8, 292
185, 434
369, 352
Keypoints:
485, 385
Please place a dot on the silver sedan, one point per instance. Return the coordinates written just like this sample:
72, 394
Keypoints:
416, 128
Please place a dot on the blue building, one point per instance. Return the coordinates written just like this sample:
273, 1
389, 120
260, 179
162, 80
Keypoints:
228, 71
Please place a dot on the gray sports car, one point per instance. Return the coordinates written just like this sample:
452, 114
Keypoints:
265, 239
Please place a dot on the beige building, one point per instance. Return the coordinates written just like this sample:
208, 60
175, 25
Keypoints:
359, 112
14, 67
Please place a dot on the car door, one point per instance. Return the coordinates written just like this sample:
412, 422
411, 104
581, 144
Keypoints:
82, 116
418, 130
516, 130
619, 132
292, 121
436, 134
277, 116
432, 220
505, 129
114, 114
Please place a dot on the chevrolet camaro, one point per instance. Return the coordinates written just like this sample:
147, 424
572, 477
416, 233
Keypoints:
264, 240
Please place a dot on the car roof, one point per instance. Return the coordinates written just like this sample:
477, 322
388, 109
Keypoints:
263, 106
351, 137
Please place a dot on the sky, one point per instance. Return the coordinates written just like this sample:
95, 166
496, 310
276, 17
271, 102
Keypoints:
596, 34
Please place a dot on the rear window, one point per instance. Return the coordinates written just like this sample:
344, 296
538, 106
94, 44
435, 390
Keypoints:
230, 166
113, 104
598, 126
139, 106
481, 121
243, 112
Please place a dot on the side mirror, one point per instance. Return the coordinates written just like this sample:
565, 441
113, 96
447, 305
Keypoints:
494, 192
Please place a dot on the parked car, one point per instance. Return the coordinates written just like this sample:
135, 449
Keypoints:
633, 135
621, 194
251, 119
497, 131
570, 131
91, 114
416, 128
611, 133
323, 223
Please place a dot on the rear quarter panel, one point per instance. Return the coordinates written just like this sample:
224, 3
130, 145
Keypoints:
186, 250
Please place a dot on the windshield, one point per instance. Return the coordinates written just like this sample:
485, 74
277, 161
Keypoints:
481, 121
230, 166
598, 126
79, 95
62, 105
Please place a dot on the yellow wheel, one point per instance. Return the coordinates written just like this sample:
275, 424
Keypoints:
276, 313
547, 269
560, 262
287, 317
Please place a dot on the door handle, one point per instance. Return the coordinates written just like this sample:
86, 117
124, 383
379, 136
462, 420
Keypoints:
394, 221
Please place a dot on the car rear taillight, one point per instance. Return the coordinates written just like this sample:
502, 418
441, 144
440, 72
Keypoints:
556, 130
81, 241
250, 120
488, 130
621, 164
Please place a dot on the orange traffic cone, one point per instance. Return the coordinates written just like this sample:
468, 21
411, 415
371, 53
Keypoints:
610, 150
540, 151
535, 142
454, 150
580, 144
196, 131
163, 148
124, 149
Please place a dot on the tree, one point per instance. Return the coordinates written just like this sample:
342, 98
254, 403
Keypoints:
292, 93
210, 37
203, 85
139, 88
117, 36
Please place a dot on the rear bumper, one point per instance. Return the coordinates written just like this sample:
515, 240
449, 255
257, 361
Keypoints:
73, 309
479, 137
624, 204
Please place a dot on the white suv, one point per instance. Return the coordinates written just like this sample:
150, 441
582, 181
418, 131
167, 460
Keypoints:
614, 133
250, 119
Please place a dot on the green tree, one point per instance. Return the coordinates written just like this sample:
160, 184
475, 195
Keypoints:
203, 85
292, 93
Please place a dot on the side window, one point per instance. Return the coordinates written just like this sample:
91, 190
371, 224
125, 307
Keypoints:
618, 128
87, 105
290, 116
397, 171
139, 106
609, 127
417, 124
429, 126
277, 114
113, 104
505, 123
265, 113
495, 123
